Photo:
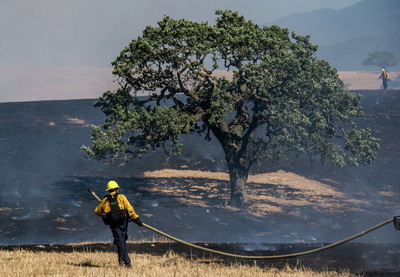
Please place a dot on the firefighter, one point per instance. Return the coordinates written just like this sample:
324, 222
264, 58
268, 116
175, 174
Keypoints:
385, 78
112, 204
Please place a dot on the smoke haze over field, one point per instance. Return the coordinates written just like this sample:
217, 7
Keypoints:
69, 38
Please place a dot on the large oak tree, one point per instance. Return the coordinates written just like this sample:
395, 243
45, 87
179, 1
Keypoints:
278, 98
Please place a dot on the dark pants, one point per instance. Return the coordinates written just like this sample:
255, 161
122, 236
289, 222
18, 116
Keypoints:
385, 83
120, 234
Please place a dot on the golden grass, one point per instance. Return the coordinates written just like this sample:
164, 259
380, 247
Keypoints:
268, 193
359, 80
354, 80
20, 263
279, 178
85, 83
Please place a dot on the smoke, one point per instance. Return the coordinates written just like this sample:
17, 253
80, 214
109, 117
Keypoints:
259, 246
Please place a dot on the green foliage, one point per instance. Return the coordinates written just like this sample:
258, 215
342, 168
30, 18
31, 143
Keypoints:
382, 59
279, 96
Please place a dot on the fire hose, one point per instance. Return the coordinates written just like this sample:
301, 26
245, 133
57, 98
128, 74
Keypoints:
283, 256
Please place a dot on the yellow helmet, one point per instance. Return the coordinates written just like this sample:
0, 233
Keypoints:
111, 185
383, 69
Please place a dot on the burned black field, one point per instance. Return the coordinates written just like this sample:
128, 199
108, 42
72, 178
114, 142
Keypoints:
44, 204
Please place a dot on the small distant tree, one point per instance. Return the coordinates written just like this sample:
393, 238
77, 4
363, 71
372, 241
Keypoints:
382, 59
280, 98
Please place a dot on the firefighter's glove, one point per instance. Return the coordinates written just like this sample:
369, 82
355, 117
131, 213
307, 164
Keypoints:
138, 221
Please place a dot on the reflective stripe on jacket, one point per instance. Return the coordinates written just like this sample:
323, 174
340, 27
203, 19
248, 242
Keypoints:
123, 203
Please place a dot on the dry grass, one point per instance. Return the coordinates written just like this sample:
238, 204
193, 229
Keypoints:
27, 263
279, 178
31, 83
275, 192
361, 80
354, 80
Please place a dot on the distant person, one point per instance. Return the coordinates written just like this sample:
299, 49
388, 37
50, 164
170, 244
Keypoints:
385, 77
116, 212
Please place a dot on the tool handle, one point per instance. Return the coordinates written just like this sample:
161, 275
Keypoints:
94, 195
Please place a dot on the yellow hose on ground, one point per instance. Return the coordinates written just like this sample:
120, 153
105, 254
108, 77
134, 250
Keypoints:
292, 255
283, 256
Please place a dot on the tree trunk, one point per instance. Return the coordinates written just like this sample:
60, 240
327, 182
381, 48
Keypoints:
238, 180
238, 166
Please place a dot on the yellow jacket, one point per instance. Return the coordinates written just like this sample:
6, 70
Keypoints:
123, 203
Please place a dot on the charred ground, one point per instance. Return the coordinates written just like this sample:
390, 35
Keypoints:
45, 177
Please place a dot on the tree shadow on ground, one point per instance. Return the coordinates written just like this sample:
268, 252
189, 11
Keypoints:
264, 198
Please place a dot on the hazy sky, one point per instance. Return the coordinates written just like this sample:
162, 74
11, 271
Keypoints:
91, 33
